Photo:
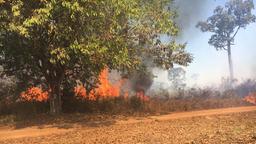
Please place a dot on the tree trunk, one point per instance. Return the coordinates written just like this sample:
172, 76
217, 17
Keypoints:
231, 72
55, 99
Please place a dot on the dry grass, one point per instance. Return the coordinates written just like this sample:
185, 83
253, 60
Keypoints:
190, 104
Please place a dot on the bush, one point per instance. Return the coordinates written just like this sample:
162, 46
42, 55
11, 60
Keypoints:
7, 88
29, 109
136, 103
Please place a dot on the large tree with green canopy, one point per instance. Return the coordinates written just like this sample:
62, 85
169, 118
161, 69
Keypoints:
57, 41
225, 24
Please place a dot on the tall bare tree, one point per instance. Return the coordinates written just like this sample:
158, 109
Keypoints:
225, 24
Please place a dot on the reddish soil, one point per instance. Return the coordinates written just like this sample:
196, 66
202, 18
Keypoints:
162, 124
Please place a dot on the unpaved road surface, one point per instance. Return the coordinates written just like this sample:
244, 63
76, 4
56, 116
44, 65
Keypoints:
230, 125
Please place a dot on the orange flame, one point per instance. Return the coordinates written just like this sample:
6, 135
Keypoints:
251, 98
80, 91
141, 95
35, 94
126, 95
105, 89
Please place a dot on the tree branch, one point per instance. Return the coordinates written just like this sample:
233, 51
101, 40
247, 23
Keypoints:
225, 48
235, 32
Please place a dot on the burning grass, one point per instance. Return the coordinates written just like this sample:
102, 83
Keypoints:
251, 98
34, 94
107, 90
115, 98
129, 105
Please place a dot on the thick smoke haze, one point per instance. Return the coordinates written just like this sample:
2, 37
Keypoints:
189, 12
210, 66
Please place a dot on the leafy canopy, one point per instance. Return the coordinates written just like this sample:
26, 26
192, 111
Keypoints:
55, 40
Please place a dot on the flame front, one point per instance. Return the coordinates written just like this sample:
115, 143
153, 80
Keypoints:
251, 98
35, 94
141, 95
105, 89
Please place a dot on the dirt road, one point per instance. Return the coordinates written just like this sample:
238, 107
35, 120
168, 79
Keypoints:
180, 115
161, 124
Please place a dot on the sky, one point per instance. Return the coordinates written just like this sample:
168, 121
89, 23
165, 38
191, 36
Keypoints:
209, 65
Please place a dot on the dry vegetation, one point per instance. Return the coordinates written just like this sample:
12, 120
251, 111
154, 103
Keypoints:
195, 99
83, 69
107, 120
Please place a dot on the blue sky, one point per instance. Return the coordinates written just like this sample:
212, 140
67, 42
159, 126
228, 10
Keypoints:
209, 65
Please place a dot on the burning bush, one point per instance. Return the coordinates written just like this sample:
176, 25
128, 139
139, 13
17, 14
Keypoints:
34, 94
251, 98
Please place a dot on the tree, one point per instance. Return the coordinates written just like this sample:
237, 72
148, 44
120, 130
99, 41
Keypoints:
225, 24
58, 41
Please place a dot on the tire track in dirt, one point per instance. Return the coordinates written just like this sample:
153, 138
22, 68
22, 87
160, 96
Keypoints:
7, 133
181, 115
37, 131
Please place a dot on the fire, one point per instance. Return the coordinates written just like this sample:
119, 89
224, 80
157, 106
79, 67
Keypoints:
34, 94
80, 91
251, 98
141, 95
105, 89
126, 95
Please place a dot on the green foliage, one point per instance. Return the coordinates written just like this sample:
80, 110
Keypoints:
58, 41
46, 38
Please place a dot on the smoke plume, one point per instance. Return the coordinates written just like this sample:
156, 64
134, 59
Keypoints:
188, 15
189, 12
